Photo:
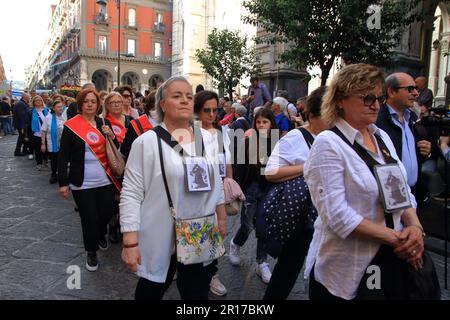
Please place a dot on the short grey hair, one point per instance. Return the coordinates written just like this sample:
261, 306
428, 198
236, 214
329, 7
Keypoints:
391, 82
282, 102
161, 92
109, 97
241, 110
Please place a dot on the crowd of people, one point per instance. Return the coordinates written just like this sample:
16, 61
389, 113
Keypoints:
190, 155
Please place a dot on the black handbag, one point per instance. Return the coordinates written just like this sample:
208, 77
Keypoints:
399, 280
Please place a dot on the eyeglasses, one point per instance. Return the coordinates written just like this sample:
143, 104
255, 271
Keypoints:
369, 100
116, 103
409, 88
209, 110
126, 96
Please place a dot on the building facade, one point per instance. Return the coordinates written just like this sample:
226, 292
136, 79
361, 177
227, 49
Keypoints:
2, 70
192, 22
84, 44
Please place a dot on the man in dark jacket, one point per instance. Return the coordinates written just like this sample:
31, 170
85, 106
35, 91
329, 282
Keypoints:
20, 113
396, 118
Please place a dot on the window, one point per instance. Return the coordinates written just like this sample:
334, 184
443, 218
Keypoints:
158, 50
159, 18
131, 47
102, 40
132, 17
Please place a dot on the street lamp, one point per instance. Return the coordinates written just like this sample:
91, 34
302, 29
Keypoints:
10, 84
103, 4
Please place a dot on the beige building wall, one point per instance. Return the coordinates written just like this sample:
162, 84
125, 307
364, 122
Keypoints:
192, 22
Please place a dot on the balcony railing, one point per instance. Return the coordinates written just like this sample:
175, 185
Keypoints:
102, 19
159, 27
99, 53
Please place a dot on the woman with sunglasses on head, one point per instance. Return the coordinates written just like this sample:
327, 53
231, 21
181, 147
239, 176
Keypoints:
353, 229
128, 101
206, 107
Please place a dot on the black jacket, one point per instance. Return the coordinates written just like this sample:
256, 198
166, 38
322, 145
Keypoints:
72, 150
386, 123
130, 136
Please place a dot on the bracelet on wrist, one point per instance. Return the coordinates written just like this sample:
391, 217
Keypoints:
420, 228
128, 246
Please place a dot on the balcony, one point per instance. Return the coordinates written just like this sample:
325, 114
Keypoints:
159, 27
102, 19
112, 55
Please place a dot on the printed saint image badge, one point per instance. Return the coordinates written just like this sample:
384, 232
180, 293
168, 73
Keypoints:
93, 137
116, 129
222, 164
197, 174
392, 186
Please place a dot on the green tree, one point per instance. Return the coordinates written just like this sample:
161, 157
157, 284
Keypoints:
227, 59
320, 31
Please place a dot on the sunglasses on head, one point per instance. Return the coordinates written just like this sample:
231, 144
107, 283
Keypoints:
209, 110
409, 88
369, 99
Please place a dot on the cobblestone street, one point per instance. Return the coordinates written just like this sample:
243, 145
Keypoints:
40, 237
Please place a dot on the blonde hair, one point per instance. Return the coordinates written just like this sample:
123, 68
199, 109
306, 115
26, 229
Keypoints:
350, 80
109, 97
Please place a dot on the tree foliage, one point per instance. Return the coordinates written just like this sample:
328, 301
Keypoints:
227, 59
320, 31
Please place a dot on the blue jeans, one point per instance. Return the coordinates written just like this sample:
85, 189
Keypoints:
6, 124
253, 195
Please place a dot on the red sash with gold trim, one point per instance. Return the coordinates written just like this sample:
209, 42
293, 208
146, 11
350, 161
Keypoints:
145, 125
118, 129
95, 140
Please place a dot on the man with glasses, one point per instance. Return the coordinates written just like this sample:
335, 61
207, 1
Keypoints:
396, 118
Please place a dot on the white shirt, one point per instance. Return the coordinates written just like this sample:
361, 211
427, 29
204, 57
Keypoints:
291, 111
94, 174
47, 127
291, 150
42, 118
143, 202
345, 192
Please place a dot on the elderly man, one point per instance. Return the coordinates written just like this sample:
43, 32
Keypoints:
396, 118
425, 97
241, 122
278, 107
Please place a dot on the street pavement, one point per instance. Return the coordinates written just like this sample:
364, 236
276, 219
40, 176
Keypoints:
41, 243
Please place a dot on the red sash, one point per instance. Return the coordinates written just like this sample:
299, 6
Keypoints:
145, 124
118, 129
95, 140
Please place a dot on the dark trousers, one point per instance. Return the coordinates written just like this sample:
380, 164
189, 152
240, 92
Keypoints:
53, 162
192, 282
96, 207
289, 264
252, 196
38, 155
21, 144
318, 292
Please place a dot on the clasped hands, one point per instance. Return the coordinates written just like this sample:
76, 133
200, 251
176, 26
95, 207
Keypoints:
409, 246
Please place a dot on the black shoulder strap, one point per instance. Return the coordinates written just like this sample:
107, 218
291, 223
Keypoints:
139, 125
161, 161
308, 136
370, 161
167, 137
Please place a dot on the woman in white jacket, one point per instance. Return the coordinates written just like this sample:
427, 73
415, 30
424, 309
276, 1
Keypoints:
145, 218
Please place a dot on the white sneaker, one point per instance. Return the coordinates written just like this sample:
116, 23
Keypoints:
263, 271
30, 157
217, 287
235, 259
